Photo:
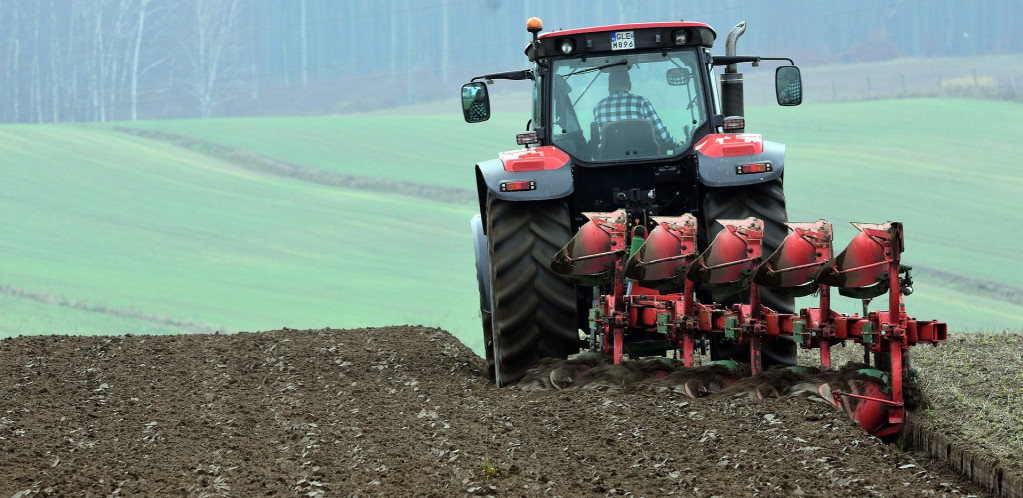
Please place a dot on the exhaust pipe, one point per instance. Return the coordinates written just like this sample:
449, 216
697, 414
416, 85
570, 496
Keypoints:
731, 79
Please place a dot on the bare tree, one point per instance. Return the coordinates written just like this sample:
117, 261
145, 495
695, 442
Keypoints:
445, 50
303, 27
116, 57
56, 65
99, 70
140, 26
13, 58
36, 86
394, 40
212, 49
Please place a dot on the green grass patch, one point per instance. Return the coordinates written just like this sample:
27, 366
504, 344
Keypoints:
24, 316
429, 149
159, 235
937, 165
127, 223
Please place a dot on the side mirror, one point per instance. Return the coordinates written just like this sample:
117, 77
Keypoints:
679, 76
475, 102
788, 85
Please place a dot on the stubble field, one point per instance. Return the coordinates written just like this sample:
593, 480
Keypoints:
408, 410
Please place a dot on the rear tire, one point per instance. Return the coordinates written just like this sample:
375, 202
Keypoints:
765, 201
534, 309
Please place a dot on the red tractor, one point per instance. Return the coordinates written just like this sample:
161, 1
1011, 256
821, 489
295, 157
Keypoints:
681, 240
624, 117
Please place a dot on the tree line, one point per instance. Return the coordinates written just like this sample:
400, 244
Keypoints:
70, 60
104, 60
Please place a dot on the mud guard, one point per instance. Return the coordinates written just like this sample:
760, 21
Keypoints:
547, 169
728, 160
479, 248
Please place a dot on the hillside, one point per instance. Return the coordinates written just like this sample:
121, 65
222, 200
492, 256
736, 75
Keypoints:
104, 229
229, 225
842, 160
427, 149
934, 164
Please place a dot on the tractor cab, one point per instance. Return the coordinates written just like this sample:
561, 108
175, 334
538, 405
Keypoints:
626, 92
622, 93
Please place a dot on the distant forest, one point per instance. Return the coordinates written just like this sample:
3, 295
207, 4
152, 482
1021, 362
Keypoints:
106, 60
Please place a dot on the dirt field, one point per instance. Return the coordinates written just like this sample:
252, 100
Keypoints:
401, 411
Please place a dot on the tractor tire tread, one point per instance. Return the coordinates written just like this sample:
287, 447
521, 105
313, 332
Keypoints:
533, 309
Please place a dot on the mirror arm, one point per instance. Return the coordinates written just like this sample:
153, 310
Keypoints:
791, 62
723, 60
524, 74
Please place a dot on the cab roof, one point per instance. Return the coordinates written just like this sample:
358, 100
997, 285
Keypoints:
623, 38
627, 27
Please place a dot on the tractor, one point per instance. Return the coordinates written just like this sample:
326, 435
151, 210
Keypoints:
679, 159
641, 212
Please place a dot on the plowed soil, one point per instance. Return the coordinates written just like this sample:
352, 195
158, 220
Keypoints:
402, 411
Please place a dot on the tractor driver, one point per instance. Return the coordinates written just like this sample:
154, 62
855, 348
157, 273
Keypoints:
789, 91
620, 104
478, 110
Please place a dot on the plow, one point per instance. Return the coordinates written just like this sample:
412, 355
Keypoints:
640, 219
652, 306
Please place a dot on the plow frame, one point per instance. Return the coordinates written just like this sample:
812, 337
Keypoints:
633, 311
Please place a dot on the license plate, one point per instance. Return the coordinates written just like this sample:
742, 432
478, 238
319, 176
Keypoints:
622, 40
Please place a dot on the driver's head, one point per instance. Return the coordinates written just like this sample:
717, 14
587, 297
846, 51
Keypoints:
619, 80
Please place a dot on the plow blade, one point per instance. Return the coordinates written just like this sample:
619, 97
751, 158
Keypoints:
790, 268
729, 261
861, 270
662, 261
589, 257
867, 404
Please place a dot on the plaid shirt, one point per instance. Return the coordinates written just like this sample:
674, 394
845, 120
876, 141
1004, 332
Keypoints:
477, 111
624, 105
788, 92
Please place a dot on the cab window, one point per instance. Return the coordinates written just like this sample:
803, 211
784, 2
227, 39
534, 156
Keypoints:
648, 105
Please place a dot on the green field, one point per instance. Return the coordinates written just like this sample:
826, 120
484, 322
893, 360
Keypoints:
123, 223
948, 169
106, 232
426, 149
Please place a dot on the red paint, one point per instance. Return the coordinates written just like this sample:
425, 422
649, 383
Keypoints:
734, 252
730, 144
873, 409
805, 258
625, 27
535, 159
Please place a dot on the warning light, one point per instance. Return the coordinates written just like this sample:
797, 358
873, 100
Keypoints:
534, 25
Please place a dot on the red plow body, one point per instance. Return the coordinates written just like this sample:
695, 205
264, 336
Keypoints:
651, 306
